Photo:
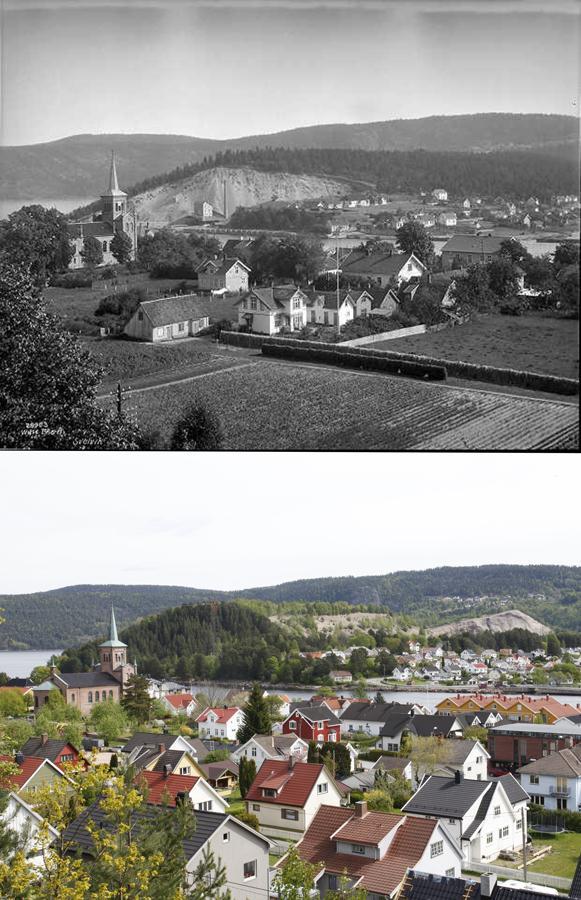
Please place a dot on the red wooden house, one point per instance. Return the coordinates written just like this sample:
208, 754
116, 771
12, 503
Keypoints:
313, 723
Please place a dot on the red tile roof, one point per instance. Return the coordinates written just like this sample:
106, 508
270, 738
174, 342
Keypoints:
158, 785
27, 769
369, 829
224, 713
381, 876
179, 701
296, 788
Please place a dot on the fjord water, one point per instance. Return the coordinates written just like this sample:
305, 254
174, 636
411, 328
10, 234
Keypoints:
20, 663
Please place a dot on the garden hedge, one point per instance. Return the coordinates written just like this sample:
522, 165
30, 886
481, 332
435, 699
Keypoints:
371, 360
571, 820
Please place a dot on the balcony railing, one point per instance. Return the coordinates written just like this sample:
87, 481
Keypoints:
559, 792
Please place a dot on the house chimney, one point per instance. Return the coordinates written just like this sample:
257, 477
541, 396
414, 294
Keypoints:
166, 770
487, 885
457, 776
181, 797
361, 809
43, 739
161, 748
292, 761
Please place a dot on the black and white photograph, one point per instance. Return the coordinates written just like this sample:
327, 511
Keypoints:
289, 225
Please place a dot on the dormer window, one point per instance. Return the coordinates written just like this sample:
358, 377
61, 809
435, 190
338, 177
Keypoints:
268, 792
358, 848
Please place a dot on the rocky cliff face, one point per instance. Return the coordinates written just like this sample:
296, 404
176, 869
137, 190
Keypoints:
504, 621
244, 187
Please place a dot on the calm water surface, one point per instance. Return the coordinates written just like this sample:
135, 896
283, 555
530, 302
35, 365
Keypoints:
19, 664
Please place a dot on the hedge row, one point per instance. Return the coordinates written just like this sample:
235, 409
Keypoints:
511, 377
571, 820
352, 357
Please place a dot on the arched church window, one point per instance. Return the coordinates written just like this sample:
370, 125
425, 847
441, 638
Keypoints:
111, 695
90, 696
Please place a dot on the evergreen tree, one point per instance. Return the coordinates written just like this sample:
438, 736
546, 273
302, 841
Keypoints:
553, 645
92, 252
256, 715
121, 247
412, 237
379, 698
246, 775
136, 700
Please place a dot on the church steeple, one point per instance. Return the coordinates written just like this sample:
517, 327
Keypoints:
113, 183
114, 203
113, 653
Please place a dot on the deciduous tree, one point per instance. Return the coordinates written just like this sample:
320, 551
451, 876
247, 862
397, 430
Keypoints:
92, 252
412, 237
36, 239
121, 247
198, 429
49, 382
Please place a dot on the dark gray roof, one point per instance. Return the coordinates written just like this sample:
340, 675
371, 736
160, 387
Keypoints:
169, 310
49, 750
77, 836
389, 763
514, 790
472, 243
318, 714
88, 679
441, 796
169, 758
504, 893
423, 886
425, 726
199, 749
147, 739
395, 723
374, 712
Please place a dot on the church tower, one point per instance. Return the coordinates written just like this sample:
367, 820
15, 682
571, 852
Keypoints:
114, 200
112, 653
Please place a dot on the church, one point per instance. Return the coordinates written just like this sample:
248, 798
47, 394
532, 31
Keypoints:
83, 689
113, 218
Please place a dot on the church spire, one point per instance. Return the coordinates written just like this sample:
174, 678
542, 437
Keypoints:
113, 628
113, 183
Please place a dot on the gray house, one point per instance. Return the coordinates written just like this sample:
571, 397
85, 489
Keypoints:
168, 318
242, 851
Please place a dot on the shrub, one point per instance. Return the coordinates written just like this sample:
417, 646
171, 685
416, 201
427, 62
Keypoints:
198, 429
248, 819
72, 280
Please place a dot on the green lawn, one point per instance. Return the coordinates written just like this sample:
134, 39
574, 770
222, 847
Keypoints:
563, 858
533, 343
235, 802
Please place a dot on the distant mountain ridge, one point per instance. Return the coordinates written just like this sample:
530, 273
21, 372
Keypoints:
69, 616
78, 165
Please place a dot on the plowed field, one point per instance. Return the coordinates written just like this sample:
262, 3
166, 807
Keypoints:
265, 405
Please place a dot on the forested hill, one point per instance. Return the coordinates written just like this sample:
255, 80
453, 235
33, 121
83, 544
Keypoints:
220, 640
69, 616
77, 166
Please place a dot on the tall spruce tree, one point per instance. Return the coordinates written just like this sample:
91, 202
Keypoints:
136, 700
256, 713
246, 775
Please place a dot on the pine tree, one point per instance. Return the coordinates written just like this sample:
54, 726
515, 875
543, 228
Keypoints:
246, 775
136, 700
256, 716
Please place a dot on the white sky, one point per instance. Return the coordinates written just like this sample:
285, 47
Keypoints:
237, 520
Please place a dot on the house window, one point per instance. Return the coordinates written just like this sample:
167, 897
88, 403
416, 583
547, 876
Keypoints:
538, 799
253, 304
332, 879
160, 332
561, 804
72, 698
292, 814
104, 246
451, 821
489, 838
243, 304
322, 788
497, 810
90, 697
268, 792
96, 696
226, 837
185, 770
181, 326
358, 848
67, 757
478, 759
450, 873
518, 825
111, 695
255, 807
436, 849
250, 870
292, 726
503, 832
253, 751
140, 316
206, 806
297, 303
534, 779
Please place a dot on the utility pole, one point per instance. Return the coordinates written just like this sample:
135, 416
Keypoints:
118, 393
524, 842
338, 290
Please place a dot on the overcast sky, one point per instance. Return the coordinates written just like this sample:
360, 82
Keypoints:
237, 520
225, 68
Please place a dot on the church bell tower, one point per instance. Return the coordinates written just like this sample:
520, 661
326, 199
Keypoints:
114, 200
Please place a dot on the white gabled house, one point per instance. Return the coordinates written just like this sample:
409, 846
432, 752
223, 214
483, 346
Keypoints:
220, 722
485, 817
273, 310
21, 818
262, 747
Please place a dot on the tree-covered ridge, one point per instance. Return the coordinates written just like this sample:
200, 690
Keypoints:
513, 174
69, 616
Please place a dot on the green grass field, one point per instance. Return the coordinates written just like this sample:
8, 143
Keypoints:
531, 343
563, 858
266, 405
122, 360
